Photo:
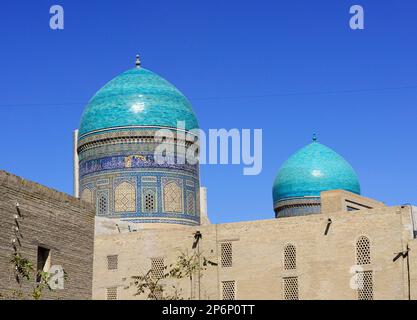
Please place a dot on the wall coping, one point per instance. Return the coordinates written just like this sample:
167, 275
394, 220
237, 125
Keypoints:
36, 189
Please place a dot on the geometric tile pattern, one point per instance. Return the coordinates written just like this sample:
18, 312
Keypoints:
125, 198
173, 197
138, 189
190, 203
129, 162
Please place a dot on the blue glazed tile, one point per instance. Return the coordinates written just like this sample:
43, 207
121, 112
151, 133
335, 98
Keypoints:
311, 170
137, 97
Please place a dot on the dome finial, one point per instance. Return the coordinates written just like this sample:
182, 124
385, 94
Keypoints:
314, 137
137, 61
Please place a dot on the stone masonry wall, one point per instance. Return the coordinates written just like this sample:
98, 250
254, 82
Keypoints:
52, 220
324, 261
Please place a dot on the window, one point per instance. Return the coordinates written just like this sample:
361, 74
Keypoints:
102, 202
149, 200
157, 294
365, 285
158, 267
291, 288
87, 195
43, 261
363, 251
112, 293
190, 203
226, 254
290, 258
112, 262
125, 198
229, 290
173, 197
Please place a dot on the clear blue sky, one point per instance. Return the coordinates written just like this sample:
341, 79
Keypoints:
289, 67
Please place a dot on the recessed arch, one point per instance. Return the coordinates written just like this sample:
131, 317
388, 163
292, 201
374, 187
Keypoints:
125, 197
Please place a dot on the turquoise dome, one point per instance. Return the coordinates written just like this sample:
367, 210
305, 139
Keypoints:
313, 169
137, 97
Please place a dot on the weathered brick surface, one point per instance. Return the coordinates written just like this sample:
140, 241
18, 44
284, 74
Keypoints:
50, 219
324, 262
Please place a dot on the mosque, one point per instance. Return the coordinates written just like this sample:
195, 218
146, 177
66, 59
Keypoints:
327, 241
116, 169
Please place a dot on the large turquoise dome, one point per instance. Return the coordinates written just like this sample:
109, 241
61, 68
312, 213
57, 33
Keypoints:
136, 98
120, 170
311, 170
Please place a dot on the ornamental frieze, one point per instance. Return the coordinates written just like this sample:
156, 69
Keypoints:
132, 161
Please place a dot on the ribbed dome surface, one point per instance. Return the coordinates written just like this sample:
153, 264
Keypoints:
137, 97
311, 170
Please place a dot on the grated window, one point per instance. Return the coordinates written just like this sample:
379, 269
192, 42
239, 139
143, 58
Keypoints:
112, 262
125, 198
229, 290
149, 200
190, 203
290, 257
112, 293
226, 254
291, 288
158, 267
102, 203
157, 294
365, 285
363, 251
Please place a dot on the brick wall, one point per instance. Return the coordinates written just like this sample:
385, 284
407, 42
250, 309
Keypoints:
324, 261
50, 219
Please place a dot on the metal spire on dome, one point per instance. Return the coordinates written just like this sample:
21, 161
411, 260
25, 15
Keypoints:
314, 137
137, 61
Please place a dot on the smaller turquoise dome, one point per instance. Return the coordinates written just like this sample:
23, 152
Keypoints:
137, 98
311, 170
